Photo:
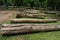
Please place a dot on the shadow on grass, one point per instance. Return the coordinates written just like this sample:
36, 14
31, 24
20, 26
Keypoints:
27, 33
32, 22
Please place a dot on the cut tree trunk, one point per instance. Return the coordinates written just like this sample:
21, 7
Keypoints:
19, 25
51, 12
27, 28
31, 15
29, 20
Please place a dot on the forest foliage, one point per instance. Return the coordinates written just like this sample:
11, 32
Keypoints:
50, 4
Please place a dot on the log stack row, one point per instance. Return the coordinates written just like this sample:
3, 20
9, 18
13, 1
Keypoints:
30, 20
25, 27
41, 16
30, 14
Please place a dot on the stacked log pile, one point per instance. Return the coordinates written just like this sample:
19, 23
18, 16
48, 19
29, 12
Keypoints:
30, 14
29, 17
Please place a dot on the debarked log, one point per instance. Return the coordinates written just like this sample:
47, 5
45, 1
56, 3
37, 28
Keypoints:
29, 28
20, 25
30, 15
51, 12
30, 20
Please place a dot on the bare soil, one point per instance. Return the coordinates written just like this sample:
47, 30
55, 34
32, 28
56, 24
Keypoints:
6, 15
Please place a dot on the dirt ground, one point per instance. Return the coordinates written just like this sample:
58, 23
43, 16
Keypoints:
6, 15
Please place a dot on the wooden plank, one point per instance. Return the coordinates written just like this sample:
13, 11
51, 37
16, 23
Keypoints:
25, 28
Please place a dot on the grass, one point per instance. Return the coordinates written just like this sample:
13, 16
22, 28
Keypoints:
34, 36
54, 35
43, 36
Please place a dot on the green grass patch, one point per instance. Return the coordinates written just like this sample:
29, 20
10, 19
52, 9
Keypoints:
43, 36
34, 36
7, 22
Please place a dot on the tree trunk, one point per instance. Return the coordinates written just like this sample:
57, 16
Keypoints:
46, 5
30, 20
31, 15
27, 28
6, 4
55, 7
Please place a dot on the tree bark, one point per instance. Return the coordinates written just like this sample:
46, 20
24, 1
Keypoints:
25, 20
31, 15
27, 28
6, 4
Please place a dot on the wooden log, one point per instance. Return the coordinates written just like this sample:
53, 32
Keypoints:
31, 15
33, 11
17, 25
29, 28
25, 20
13, 25
51, 12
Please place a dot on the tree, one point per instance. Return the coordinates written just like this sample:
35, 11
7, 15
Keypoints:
6, 4
1, 2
